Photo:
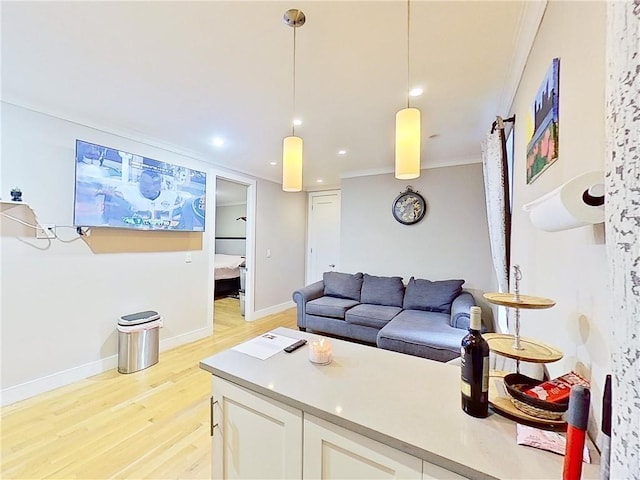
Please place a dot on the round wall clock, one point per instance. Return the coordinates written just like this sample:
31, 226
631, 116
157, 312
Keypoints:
409, 207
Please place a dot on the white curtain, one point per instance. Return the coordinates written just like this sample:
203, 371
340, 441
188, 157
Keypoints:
495, 178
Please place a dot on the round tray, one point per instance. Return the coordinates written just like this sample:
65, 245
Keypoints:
532, 351
502, 404
522, 301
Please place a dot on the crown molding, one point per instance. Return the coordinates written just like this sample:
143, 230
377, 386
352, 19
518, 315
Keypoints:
528, 27
452, 162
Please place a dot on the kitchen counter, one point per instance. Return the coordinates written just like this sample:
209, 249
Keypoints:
408, 403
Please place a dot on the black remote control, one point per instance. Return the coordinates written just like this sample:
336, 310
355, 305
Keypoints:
295, 346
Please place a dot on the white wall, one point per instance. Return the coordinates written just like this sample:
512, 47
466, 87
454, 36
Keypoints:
61, 302
569, 267
280, 229
226, 223
452, 241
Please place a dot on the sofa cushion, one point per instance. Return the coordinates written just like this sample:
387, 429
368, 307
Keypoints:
431, 296
330, 306
342, 285
382, 290
423, 334
376, 316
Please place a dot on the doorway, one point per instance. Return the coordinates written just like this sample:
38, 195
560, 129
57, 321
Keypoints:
233, 284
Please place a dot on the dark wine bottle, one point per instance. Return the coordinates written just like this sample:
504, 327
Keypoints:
475, 369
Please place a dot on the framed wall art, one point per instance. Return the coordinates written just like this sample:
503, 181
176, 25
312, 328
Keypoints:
542, 150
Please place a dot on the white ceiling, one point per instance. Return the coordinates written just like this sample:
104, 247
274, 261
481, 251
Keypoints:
179, 73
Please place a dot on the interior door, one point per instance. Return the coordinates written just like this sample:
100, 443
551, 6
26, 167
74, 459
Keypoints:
323, 234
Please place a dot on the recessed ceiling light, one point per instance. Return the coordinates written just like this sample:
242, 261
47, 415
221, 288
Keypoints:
297, 122
416, 92
273, 163
342, 152
218, 141
319, 180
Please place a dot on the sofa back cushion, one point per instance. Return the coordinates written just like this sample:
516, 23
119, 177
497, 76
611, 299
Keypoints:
382, 290
431, 296
342, 285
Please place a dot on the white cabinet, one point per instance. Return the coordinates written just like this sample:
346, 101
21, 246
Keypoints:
434, 472
255, 437
334, 453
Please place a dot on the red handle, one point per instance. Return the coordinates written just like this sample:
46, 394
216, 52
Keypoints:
573, 455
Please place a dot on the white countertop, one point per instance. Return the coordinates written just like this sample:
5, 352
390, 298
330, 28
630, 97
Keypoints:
409, 403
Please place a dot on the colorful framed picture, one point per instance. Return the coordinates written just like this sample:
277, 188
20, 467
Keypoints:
542, 149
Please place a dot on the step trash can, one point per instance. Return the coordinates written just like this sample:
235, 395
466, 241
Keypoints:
243, 276
243, 281
241, 296
138, 341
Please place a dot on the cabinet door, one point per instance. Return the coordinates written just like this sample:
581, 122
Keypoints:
332, 452
255, 437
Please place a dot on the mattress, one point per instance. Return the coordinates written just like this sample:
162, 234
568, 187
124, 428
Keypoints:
227, 266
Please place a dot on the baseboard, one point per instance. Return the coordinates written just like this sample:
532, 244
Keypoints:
273, 309
31, 388
188, 337
55, 380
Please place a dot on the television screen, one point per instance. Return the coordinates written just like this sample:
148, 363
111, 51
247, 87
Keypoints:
124, 190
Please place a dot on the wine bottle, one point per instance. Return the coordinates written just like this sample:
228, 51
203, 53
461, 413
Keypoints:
475, 369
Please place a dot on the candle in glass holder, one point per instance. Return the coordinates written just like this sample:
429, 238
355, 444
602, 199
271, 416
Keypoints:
320, 351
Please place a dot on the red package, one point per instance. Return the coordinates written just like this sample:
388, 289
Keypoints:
557, 390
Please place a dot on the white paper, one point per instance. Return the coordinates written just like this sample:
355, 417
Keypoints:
546, 440
265, 346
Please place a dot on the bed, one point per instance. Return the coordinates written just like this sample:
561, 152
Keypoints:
227, 274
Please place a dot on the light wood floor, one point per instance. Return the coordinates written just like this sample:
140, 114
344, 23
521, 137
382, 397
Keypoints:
150, 424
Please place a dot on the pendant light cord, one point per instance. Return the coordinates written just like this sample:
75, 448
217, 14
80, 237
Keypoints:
293, 124
408, 51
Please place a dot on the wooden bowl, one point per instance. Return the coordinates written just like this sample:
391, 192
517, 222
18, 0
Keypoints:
516, 383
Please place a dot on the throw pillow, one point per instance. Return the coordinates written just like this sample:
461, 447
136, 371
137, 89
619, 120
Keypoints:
431, 296
382, 290
342, 285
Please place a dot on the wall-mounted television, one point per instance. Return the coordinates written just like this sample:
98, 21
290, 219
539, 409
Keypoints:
124, 190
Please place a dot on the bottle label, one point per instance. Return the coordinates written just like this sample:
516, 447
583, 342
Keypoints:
485, 374
465, 388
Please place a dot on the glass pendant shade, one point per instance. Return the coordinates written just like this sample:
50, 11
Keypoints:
292, 164
408, 144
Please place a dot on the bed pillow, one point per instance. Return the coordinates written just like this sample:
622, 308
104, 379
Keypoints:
382, 290
342, 285
431, 296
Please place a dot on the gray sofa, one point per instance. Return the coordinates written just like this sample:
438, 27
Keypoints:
424, 318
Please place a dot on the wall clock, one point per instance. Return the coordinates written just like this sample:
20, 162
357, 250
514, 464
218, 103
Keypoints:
409, 207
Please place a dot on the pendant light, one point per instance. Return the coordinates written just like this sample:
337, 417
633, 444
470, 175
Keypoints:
408, 128
292, 146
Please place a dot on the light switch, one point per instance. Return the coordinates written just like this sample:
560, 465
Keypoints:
187, 258
268, 253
